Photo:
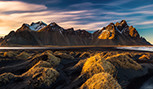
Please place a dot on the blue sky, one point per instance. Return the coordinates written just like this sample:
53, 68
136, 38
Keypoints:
80, 14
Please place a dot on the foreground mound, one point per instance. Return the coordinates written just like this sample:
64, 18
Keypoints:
63, 55
42, 76
6, 78
10, 54
23, 55
49, 57
101, 81
97, 64
55, 70
123, 61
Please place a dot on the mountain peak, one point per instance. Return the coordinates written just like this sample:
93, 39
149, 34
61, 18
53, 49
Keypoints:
110, 31
39, 22
51, 27
107, 32
24, 27
53, 24
37, 26
121, 25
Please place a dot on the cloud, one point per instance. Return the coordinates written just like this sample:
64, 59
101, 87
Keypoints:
15, 20
90, 4
36, 12
143, 7
118, 2
145, 23
51, 1
84, 4
19, 6
89, 26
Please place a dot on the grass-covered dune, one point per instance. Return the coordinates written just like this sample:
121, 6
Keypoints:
49, 69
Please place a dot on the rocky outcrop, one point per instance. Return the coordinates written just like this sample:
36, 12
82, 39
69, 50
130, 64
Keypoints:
118, 34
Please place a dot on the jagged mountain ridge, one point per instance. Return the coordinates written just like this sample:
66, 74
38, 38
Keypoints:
40, 33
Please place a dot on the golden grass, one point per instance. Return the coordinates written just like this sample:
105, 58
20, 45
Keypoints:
6, 77
42, 75
97, 64
10, 54
42, 64
80, 63
123, 61
49, 51
144, 57
107, 54
63, 55
85, 54
133, 54
101, 81
53, 60
23, 55
42, 72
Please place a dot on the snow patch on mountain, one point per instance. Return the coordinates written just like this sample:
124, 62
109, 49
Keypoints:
37, 26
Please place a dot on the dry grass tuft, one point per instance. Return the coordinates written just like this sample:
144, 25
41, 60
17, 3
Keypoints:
54, 61
63, 55
79, 64
49, 51
23, 55
6, 77
42, 76
101, 81
144, 57
42, 64
133, 54
85, 55
10, 54
124, 61
97, 64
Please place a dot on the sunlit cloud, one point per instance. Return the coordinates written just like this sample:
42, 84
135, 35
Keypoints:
19, 6
89, 26
15, 20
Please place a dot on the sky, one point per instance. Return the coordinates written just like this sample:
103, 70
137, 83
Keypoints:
79, 14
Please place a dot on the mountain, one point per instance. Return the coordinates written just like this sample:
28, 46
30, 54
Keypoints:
41, 34
33, 27
118, 34
37, 26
